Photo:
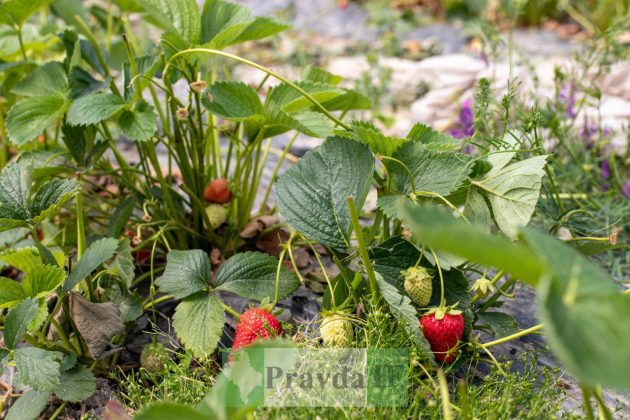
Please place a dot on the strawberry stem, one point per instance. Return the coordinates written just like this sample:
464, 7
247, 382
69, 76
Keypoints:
356, 226
513, 336
437, 264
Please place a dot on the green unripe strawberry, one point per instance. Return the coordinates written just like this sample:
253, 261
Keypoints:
418, 285
217, 215
336, 330
154, 357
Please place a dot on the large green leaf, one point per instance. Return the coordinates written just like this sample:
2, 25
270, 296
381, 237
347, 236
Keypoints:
37, 368
198, 321
312, 195
17, 321
259, 28
29, 117
82, 83
180, 16
187, 272
16, 12
584, 313
92, 109
24, 259
76, 384
233, 101
437, 172
139, 124
49, 79
29, 406
512, 192
96, 254
42, 279
51, 196
253, 275
11, 292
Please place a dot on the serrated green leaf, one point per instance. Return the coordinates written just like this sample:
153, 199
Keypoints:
392, 205
76, 384
350, 100
40, 317
198, 321
29, 406
436, 172
319, 75
402, 308
234, 101
187, 272
180, 16
92, 109
48, 80
253, 275
222, 22
24, 259
42, 279
313, 124
11, 292
513, 192
96, 254
476, 210
312, 195
17, 321
52, 195
433, 140
129, 304
139, 124
456, 290
4, 360
37, 368
15, 190
259, 28
30, 116
366, 133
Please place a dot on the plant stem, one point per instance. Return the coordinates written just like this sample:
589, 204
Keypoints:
363, 252
437, 264
58, 411
514, 336
156, 301
405, 167
261, 68
21, 42
230, 310
586, 398
80, 222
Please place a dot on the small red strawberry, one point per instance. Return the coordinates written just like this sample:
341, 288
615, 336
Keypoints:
255, 324
443, 334
218, 191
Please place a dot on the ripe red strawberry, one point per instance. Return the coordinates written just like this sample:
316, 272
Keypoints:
256, 323
443, 334
218, 191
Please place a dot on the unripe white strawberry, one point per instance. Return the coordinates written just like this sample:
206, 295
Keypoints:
336, 330
217, 215
418, 285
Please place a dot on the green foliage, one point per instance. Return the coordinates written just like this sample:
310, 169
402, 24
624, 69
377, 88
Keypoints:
312, 195
95, 255
17, 321
29, 406
198, 321
253, 275
94, 108
32, 115
187, 272
37, 368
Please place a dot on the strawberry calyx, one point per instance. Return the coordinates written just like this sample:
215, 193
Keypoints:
441, 311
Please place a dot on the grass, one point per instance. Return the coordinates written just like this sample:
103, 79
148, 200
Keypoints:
526, 391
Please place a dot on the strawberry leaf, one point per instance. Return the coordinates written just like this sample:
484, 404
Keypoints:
187, 272
312, 195
198, 321
253, 275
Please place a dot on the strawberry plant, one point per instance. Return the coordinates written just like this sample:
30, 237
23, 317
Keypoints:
138, 192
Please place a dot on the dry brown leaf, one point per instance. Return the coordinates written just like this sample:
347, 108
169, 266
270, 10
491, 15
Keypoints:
271, 242
258, 224
96, 322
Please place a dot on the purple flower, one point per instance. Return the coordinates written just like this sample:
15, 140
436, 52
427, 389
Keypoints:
605, 169
567, 96
589, 134
464, 127
625, 190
